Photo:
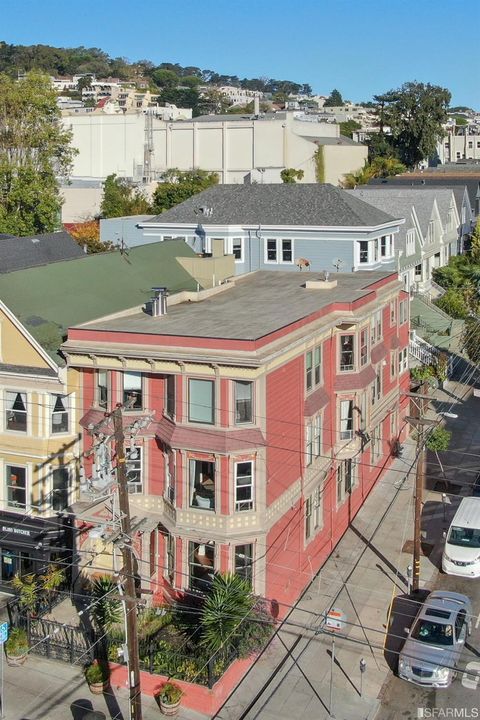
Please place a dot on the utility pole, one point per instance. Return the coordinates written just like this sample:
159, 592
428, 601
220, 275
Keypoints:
419, 483
135, 706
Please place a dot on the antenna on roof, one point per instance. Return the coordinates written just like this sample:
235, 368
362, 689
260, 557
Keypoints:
338, 264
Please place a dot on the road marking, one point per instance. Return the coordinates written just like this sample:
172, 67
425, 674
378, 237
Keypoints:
468, 681
478, 622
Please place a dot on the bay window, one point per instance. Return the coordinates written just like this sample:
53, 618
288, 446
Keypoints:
344, 479
346, 419
60, 478
132, 390
363, 248
170, 395
243, 402
347, 352
134, 470
201, 565
201, 401
243, 486
202, 484
243, 562
16, 486
363, 347
102, 388
59, 414
16, 411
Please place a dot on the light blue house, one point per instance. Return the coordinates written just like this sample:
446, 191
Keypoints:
288, 227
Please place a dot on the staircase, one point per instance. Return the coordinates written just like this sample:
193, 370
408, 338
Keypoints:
421, 350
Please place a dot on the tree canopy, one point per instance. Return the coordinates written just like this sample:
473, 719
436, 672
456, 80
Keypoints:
121, 198
415, 113
334, 100
34, 151
179, 185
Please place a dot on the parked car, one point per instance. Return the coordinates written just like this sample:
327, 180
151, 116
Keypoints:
436, 639
461, 554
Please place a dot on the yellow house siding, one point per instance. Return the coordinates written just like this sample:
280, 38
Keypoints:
16, 348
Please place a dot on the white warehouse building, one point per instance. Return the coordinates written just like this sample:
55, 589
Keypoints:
240, 149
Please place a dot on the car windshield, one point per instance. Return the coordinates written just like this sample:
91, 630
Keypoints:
465, 537
433, 633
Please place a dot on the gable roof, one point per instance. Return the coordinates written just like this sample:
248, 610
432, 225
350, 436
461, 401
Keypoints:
401, 199
61, 294
295, 204
419, 181
17, 253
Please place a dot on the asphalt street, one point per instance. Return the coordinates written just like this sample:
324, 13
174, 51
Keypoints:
405, 700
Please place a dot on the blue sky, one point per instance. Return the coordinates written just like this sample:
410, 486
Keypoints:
360, 47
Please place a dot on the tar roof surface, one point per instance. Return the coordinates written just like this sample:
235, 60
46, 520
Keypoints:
299, 204
252, 308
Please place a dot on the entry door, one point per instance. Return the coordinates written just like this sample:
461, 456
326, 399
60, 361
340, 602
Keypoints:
9, 565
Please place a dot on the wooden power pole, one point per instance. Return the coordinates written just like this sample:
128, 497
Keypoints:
419, 484
135, 697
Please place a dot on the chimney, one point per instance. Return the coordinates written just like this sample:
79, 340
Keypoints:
159, 301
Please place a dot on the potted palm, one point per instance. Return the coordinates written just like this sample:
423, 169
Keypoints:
169, 696
97, 676
16, 647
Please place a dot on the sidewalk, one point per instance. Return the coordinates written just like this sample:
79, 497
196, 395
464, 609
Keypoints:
365, 571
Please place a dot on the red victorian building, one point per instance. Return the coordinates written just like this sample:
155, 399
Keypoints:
262, 413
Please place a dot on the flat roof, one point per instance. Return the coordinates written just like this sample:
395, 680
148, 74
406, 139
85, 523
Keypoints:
250, 308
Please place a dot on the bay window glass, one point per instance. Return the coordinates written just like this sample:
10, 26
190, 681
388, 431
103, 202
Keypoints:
363, 347
132, 390
202, 484
244, 562
59, 414
201, 565
243, 486
170, 395
60, 489
346, 419
16, 411
16, 486
363, 251
102, 388
201, 401
347, 354
134, 470
309, 444
243, 402
308, 370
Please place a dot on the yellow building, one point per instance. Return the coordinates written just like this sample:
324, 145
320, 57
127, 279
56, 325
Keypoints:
39, 452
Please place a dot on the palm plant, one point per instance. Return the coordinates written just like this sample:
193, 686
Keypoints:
106, 610
227, 607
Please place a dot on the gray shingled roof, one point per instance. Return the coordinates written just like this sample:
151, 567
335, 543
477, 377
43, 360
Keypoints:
445, 181
18, 253
288, 204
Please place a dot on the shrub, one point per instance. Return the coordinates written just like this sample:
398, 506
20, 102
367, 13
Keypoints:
96, 673
438, 439
17, 643
107, 610
169, 693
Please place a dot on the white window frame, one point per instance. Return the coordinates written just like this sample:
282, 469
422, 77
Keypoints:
346, 419
138, 464
98, 400
403, 312
248, 576
377, 386
364, 358
251, 420
53, 414
10, 411
393, 312
6, 485
251, 501
347, 367
403, 360
341, 478
360, 252
279, 251
136, 374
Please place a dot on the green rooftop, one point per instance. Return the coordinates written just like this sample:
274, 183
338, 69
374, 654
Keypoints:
51, 298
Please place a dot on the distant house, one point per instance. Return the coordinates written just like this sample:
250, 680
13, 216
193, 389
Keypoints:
283, 227
431, 233
18, 253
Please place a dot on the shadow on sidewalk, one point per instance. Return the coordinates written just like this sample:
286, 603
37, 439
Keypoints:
380, 555
402, 613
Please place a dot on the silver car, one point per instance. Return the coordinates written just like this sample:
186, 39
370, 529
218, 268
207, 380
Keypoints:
436, 639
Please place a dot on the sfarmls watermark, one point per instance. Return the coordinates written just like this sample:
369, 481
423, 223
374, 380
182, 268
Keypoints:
425, 712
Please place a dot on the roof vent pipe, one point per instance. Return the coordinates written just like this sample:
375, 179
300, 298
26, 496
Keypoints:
159, 301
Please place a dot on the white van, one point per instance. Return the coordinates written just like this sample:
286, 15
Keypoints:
461, 554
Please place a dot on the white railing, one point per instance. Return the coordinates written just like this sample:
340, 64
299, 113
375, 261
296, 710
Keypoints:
422, 350
438, 288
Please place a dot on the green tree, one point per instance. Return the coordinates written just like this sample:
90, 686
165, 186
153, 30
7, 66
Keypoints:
347, 128
453, 303
416, 113
120, 199
290, 175
34, 151
471, 339
165, 78
474, 250
334, 100
379, 167
84, 82
179, 185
